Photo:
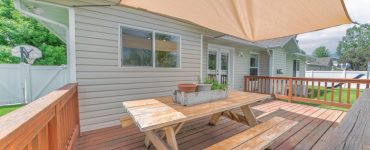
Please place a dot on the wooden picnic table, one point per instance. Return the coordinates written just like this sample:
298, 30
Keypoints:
162, 114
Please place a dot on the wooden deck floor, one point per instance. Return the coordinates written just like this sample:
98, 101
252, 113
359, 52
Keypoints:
314, 124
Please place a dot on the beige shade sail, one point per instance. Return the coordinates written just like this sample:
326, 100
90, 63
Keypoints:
251, 20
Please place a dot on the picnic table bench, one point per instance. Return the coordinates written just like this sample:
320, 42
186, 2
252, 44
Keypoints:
353, 132
160, 118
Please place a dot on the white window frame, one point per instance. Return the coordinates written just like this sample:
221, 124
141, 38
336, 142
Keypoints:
121, 26
258, 62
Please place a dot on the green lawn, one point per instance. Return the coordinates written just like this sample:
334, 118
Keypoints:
6, 109
328, 97
336, 94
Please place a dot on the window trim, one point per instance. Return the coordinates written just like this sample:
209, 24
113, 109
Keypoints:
258, 62
120, 28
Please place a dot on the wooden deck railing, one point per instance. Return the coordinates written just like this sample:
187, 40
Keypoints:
48, 123
328, 91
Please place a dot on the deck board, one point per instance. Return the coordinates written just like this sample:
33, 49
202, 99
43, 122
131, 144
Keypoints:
314, 123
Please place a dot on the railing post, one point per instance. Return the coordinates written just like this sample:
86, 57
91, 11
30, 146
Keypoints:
246, 82
290, 90
54, 131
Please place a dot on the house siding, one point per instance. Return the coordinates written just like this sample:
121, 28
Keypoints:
283, 60
103, 85
279, 62
290, 59
241, 68
289, 65
264, 65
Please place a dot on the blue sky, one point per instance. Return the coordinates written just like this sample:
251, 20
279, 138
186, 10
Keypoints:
359, 11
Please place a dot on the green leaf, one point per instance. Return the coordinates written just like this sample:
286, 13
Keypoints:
16, 29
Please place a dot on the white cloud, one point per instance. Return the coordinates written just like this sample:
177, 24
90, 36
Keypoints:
359, 11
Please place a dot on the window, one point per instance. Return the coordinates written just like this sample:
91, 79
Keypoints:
253, 65
137, 47
212, 60
146, 48
166, 50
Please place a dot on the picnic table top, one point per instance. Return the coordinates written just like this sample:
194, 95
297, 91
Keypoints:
149, 114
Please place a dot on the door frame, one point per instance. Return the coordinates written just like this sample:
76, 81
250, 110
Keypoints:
230, 50
295, 67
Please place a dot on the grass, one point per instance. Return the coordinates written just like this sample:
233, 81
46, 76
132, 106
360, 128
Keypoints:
6, 109
352, 92
328, 97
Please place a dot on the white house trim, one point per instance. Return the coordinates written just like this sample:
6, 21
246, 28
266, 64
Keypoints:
72, 45
17, 6
201, 58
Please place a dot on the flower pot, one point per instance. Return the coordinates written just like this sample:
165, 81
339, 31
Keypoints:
204, 87
187, 88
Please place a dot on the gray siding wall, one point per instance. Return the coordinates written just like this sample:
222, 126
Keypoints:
283, 60
289, 65
264, 63
279, 62
103, 85
302, 66
241, 68
290, 59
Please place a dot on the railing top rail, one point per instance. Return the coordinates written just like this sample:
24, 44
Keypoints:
13, 123
314, 79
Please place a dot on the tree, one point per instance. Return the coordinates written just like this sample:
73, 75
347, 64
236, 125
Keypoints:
321, 51
354, 47
16, 29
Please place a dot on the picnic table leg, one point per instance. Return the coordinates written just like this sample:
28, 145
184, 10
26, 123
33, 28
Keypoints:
171, 138
214, 119
162, 135
156, 140
249, 115
147, 142
178, 127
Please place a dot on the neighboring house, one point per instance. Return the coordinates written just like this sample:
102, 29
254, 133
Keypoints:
117, 54
321, 64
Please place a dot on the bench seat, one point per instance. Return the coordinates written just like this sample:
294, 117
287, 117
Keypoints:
257, 137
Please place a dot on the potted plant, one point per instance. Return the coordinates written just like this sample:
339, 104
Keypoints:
219, 86
187, 87
206, 86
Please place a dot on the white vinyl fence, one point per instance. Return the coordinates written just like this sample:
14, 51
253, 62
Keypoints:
22, 83
338, 74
